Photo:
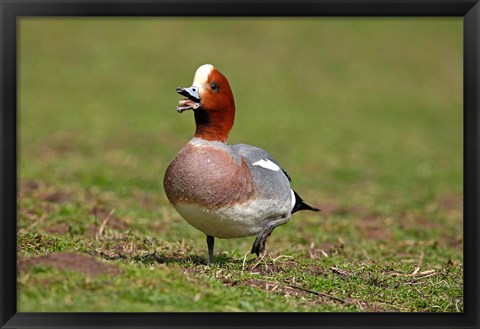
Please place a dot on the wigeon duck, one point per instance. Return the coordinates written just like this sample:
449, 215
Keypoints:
226, 191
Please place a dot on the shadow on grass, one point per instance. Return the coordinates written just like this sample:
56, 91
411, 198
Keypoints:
167, 258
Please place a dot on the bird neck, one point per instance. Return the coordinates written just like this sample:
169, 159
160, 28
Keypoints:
214, 125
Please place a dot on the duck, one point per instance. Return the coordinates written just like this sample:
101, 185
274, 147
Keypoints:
226, 190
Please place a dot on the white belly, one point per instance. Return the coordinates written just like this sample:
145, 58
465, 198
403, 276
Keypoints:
232, 222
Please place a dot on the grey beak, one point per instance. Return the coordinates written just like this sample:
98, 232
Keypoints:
190, 93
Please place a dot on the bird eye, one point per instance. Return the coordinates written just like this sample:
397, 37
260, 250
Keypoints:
214, 86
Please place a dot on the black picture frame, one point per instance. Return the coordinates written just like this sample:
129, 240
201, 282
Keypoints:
10, 10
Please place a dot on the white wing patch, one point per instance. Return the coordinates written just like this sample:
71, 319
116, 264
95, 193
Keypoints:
267, 164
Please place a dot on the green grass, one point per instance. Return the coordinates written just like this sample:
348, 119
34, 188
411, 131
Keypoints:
363, 113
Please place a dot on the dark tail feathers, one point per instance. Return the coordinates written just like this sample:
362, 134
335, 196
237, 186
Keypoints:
302, 205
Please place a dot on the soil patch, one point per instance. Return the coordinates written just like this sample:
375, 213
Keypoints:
451, 202
373, 227
57, 228
101, 214
108, 219
332, 209
57, 197
36, 190
29, 185
69, 261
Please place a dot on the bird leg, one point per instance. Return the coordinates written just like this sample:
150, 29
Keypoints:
210, 244
259, 243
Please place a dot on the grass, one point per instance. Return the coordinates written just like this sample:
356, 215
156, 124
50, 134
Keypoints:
363, 114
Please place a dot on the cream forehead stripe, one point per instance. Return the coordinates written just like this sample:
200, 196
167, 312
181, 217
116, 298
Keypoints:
201, 75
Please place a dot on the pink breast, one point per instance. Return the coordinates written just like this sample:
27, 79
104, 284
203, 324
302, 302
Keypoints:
209, 177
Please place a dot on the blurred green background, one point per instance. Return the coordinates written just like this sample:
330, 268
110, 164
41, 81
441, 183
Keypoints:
364, 113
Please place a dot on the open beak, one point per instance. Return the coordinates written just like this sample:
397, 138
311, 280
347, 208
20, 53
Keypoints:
192, 101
